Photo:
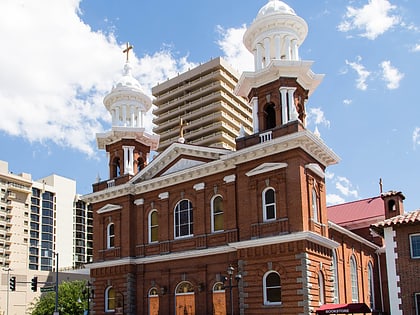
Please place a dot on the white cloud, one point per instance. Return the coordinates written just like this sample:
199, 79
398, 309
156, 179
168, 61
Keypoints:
416, 48
361, 71
391, 75
373, 19
334, 199
416, 137
235, 53
347, 101
56, 71
345, 187
316, 115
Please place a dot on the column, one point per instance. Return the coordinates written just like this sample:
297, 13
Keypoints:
131, 160
284, 111
259, 57
287, 48
254, 52
133, 116
295, 54
255, 114
292, 107
277, 42
125, 159
139, 117
267, 53
117, 115
124, 115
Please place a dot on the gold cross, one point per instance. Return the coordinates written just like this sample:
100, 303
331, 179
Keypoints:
182, 125
127, 49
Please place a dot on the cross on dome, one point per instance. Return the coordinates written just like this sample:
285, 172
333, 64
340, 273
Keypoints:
127, 49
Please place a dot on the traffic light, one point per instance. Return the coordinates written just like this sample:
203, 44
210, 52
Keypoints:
12, 283
34, 283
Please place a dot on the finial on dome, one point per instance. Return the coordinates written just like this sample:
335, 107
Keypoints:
127, 49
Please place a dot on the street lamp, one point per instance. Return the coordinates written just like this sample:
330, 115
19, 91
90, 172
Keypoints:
238, 277
8, 288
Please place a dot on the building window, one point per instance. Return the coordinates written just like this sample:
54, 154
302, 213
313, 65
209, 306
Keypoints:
219, 298
217, 223
415, 245
334, 270
153, 301
321, 288
315, 205
110, 236
183, 219
153, 226
269, 204
354, 283
184, 299
272, 288
371, 287
417, 302
109, 299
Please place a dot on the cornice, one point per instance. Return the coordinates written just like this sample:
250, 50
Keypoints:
301, 70
352, 235
304, 140
232, 247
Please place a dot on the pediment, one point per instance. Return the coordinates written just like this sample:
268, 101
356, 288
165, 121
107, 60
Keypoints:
266, 167
177, 158
108, 208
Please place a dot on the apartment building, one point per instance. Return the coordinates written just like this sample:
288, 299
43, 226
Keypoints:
40, 221
201, 107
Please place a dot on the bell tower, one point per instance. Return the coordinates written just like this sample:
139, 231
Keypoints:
127, 144
281, 82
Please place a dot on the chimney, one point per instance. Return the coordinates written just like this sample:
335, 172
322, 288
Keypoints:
393, 203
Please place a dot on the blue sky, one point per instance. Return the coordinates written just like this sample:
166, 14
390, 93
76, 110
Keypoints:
60, 58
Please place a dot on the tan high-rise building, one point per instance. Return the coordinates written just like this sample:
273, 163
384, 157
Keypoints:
200, 107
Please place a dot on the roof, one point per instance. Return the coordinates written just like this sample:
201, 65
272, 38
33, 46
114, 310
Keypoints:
357, 213
406, 218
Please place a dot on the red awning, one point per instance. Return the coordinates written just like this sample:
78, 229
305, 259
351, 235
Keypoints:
351, 308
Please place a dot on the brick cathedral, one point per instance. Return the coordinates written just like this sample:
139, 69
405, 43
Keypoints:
201, 229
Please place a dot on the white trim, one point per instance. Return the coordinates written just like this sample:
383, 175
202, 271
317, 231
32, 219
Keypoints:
393, 278
354, 236
199, 186
232, 247
316, 169
164, 195
265, 167
139, 202
229, 179
265, 205
108, 208
266, 302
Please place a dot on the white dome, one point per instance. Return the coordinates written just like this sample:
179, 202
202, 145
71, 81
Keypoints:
275, 7
128, 81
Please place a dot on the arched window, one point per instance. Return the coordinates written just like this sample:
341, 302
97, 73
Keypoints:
315, 205
217, 223
110, 236
153, 226
219, 298
269, 204
272, 288
185, 302
321, 288
270, 116
153, 301
183, 219
354, 282
371, 286
392, 205
109, 299
334, 270
116, 167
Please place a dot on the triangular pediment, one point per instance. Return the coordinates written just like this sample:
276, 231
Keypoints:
266, 167
177, 158
108, 208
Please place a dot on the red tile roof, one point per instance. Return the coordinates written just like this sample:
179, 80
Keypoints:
409, 217
357, 212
